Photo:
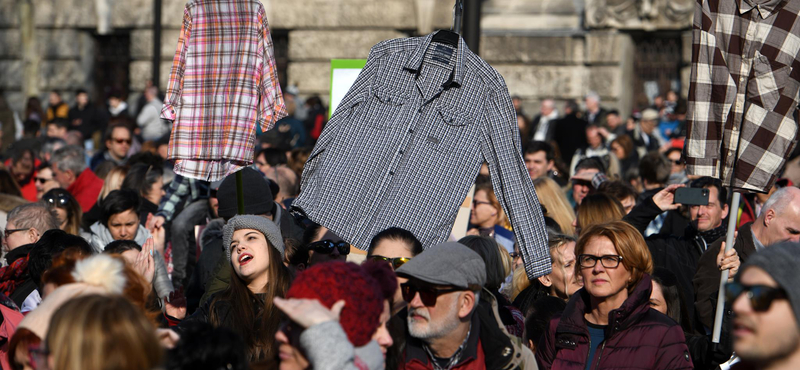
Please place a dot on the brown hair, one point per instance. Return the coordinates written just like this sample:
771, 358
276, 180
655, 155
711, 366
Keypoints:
257, 325
599, 208
628, 242
626, 143
60, 272
98, 332
22, 338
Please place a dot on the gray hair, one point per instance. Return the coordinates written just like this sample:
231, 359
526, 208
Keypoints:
33, 215
593, 96
778, 201
51, 145
69, 158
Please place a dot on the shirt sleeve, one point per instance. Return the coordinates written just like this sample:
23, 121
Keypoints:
177, 193
271, 107
175, 85
501, 149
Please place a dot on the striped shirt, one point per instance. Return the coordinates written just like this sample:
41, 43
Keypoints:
744, 88
223, 82
406, 143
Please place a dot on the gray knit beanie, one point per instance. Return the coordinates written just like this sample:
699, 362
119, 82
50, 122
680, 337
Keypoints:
263, 225
780, 261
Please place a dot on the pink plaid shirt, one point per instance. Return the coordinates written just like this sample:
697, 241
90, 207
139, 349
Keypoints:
223, 81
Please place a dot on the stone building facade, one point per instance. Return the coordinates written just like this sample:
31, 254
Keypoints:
625, 50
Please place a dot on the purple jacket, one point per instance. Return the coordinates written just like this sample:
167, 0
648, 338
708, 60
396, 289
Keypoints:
637, 337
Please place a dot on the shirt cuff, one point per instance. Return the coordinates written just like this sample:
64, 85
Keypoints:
168, 112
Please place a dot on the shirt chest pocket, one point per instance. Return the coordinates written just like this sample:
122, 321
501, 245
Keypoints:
767, 82
447, 130
385, 109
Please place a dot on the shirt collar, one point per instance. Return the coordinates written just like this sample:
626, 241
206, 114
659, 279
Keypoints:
416, 58
756, 242
765, 8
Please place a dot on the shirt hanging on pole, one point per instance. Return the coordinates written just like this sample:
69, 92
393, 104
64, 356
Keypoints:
223, 82
744, 90
406, 143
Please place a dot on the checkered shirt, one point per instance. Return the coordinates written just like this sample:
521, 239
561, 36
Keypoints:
222, 83
744, 90
407, 142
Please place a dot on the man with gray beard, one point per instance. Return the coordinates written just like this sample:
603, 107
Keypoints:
453, 322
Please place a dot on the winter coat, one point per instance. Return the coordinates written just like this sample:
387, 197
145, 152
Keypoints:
161, 282
492, 348
637, 337
706, 279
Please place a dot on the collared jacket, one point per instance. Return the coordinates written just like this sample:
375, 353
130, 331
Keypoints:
406, 143
489, 345
637, 337
86, 189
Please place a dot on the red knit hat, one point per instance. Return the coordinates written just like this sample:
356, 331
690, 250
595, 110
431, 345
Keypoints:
333, 281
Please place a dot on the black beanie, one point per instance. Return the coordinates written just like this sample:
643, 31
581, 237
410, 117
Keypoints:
257, 194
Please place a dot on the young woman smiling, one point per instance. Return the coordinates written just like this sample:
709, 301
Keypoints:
255, 250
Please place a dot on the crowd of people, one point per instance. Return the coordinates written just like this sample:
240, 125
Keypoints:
112, 261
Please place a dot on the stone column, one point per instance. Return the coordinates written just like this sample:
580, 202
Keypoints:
31, 60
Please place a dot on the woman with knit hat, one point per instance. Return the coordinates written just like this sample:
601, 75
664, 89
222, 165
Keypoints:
334, 310
254, 247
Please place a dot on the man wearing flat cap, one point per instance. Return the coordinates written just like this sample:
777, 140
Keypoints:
765, 298
452, 321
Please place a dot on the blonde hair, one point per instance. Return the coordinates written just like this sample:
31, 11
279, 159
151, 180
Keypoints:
520, 279
113, 181
599, 208
628, 242
97, 332
486, 186
552, 197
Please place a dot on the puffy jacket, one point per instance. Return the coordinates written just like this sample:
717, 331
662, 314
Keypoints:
495, 348
637, 337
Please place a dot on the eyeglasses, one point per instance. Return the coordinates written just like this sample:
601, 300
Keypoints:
608, 261
59, 200
43, 180
8, 232
427, 295
476, 203
38, 356
123, 141
327, 246
760, 296
396, 262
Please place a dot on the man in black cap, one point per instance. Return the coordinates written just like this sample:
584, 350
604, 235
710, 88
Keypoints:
452, 322
765, 299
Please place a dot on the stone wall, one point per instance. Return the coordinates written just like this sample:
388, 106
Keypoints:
558, 49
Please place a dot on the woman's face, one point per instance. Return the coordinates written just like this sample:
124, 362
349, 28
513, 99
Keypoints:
382, 334
61, 215
44, 182
601, 282
250, 257
564, 280
290, 357
22, 358
618, 151
124, 225
392, 249
156, 191
483, 212
657, 301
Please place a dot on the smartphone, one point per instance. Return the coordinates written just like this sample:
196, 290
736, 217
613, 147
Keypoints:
691, 196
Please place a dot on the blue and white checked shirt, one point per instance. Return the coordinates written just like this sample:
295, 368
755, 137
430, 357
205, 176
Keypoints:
407, 142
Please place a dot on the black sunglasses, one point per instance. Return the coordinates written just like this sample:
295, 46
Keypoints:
428, 295
760, 296
59, 200
292, 332
396, 262
327, 246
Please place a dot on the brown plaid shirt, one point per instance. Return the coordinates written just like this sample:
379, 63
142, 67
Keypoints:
744, 90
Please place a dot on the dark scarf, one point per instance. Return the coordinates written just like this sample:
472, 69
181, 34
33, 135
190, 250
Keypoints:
702, 239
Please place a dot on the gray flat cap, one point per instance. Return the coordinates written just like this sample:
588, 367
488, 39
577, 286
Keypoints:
451, 264
263, 225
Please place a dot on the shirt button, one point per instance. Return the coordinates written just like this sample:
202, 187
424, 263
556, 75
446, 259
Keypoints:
411, 131
400, 152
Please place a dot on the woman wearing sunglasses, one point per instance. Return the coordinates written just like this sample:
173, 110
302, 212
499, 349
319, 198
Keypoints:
255, 251
395, 246
68, 211
609, 324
